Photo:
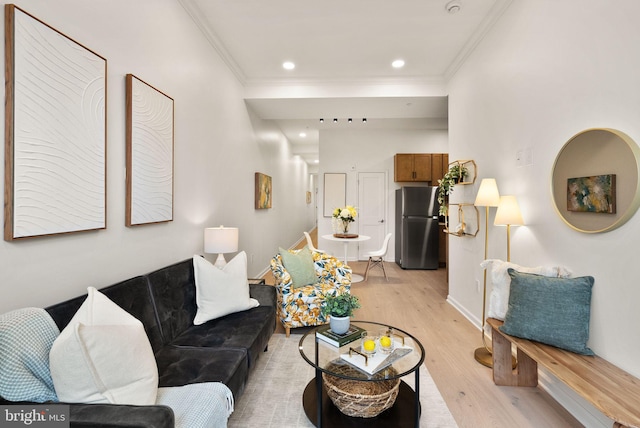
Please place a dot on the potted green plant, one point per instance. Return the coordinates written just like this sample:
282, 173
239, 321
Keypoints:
339, 308
445, 185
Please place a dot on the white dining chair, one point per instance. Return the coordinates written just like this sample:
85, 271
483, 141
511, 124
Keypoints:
310, 243
376, 258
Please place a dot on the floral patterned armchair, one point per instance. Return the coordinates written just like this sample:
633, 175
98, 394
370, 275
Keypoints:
301, 306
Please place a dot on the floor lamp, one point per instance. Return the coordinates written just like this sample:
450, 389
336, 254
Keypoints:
508, 214
487, 196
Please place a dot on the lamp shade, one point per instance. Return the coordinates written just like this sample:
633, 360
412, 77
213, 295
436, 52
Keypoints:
220, 239
508, 212
488, 195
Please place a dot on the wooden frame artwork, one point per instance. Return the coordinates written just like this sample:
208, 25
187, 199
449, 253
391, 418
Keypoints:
150, 139
264, 192
596, 194
55, 131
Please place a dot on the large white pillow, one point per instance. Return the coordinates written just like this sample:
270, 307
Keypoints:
220, 292
103, 356
501, 282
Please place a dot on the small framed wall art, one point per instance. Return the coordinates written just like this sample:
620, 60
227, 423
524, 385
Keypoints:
55, 131
150, 116
263, 193
596, 194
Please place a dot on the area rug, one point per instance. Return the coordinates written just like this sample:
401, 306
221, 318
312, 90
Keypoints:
273, 395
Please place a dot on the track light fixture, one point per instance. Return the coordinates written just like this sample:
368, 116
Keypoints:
349, 120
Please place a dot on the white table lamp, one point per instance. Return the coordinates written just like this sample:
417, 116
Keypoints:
220, 240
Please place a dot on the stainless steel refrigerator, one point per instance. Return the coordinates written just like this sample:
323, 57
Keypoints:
417, 227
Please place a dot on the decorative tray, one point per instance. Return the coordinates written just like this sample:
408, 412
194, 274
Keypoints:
345, 235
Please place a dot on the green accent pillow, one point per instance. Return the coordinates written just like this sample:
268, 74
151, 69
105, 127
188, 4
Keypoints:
300, 267
555, 311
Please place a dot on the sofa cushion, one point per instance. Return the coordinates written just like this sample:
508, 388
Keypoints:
132, 295
555, 311
248, 330
299, 264
220, 292
26, 336
174, 294
185, 365
103, 356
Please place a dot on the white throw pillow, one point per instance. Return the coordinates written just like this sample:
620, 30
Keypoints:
220, 292
501, 282
103, 356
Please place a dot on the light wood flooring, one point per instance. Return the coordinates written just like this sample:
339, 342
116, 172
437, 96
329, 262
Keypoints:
415, 301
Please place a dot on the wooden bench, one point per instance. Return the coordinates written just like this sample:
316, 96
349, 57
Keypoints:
608, 388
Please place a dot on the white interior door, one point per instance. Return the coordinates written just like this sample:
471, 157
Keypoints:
372, 205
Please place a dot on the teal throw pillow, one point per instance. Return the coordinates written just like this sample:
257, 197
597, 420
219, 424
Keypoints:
555, 311
300, 267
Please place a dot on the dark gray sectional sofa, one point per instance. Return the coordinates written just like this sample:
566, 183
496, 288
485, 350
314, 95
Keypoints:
221, 350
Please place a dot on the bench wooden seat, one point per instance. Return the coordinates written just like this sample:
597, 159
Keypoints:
608, 388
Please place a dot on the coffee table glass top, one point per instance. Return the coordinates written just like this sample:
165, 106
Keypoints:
326, 357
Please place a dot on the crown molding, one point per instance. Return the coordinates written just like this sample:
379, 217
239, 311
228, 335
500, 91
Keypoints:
497, 10
196, 15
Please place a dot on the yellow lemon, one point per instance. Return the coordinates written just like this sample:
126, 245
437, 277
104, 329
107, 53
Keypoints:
369, 345
385, 341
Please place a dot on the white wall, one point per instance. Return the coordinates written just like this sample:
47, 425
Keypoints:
369, 151
548, 70
219, 145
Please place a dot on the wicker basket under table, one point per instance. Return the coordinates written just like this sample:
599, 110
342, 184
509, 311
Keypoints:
364, 399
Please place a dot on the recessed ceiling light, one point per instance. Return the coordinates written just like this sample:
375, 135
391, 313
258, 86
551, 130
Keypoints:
453, 7
316, 161
399, 63
288, 65
302, 134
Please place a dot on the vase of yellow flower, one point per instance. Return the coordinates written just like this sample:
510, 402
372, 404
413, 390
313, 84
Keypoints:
342, 219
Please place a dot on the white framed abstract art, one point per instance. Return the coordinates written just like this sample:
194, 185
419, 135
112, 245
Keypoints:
55, 136
150, 120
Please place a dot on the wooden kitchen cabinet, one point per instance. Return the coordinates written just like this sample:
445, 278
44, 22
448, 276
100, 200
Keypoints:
412, 167
420, 167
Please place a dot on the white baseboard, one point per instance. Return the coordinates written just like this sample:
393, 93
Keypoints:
468, 315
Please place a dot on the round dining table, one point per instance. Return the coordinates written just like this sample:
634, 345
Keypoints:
346, 241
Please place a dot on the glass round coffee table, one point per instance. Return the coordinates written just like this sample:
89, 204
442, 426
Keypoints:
348, 367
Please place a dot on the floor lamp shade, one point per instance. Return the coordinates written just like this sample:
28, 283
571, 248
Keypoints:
488, 195
508, 214
220, 240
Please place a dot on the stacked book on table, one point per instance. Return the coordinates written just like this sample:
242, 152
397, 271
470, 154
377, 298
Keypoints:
325, 334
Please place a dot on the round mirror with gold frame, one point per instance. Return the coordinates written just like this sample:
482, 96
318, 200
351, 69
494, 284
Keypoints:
595, 180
